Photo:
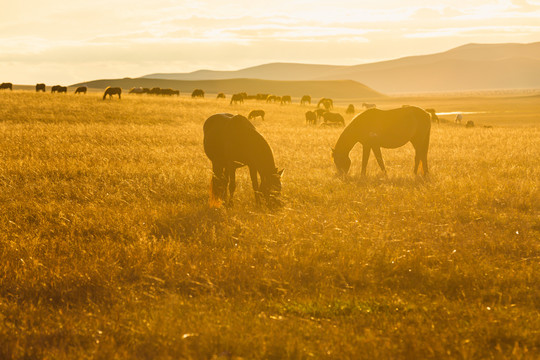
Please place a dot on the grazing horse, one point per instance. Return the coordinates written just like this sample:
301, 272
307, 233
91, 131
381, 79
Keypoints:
459, 117
112, 91
230, 142
311, 118
286, 99
350, 109
271, 98
61, 89
368, 106
333, 118
305, 99
81, 90
433, 114
256, 113
56, 88
137, 90
469, 124
236, 98
155, 91
389, 129
40, 87
327, 103
320, 113
197, 93
6, 86
220, 96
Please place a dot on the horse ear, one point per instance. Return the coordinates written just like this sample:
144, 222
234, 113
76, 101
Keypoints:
333, 151
280, 173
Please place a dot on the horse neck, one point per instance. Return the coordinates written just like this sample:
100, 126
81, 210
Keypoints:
265, 163
348, 138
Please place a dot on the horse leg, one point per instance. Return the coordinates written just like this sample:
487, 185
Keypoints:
255, 184
232, 185
366, 150
378, 156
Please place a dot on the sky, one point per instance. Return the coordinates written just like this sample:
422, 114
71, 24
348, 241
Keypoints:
65, 42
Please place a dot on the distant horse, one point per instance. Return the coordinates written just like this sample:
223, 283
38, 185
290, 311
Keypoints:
256, 113
305, 99
459, 117
320, 113
169, 92
327, 103
433, 114
230, 142
154, 91
389, 129
236, 98
278, 99
350, 109
6, 86
81, 90
368, 106
271, 98
469, 124
333, 118
197, 93
220, 96
311, 118
286, 99
112, 91
58, 89
40, 87
137, 91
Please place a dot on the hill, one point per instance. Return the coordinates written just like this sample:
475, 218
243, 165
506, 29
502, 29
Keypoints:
315, 88
468, 67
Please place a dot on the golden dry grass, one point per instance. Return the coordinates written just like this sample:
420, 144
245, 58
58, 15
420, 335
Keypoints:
109, 250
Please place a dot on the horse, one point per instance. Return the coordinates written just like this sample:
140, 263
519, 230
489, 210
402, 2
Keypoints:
350, 109
197, 93
311, 117
40, 87
327, 103
305, 99
60, 89
81, 90
333, 118
433, 114
469, 124
320, 113
459, 117
231, 142
169, 92
155, 91
271, 98
112, 91
286, 99
237, 98
137, 90
389, 129
256, 113
6, 86
220, 96
368, 106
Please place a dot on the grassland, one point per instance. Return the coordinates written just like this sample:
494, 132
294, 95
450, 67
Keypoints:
108, 249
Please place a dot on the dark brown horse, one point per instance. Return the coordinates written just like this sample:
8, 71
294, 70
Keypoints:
237, 98
333, 118
197, 93
350, 109
376, 129
59, 89
311, 118
40, 87
230, 142
433, 114
286, 99
327, 103
306, 99
112, 91
81, 90
221, 96
6, 86
256, 113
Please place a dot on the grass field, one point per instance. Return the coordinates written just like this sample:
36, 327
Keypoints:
108, 249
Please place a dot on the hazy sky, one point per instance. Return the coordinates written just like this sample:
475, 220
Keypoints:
67, 41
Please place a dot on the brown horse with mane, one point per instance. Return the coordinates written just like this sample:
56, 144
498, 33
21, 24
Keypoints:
40, 87
376, 129
112, 91
81, 90
230, 142
6, 85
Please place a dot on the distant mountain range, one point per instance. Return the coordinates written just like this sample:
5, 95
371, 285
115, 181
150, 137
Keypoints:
468, 67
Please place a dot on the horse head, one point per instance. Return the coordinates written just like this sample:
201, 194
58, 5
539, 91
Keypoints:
271, 188
342, 161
